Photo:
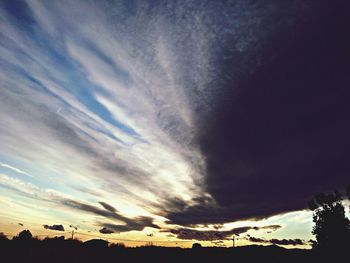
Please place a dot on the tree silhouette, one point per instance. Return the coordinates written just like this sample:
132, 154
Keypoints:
24, 235
332, 227
2, 237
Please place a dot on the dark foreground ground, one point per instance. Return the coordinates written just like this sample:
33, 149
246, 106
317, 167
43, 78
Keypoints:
56, 250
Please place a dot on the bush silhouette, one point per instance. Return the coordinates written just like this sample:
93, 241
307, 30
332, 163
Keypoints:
196, 246
332, 227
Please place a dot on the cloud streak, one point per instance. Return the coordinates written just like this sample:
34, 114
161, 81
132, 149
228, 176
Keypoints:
19, 171
54, 227
275, 241
109, 212
214, 235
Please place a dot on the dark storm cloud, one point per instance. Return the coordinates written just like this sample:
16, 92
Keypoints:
274, 241
279, 132
54, 227
211, 235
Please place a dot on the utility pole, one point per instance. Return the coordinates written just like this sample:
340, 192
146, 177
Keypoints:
73, 234
233, 241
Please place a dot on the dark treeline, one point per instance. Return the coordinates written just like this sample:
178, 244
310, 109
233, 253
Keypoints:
70, 250
24, 248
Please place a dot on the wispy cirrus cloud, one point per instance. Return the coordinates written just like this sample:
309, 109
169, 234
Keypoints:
17, 170
101, 112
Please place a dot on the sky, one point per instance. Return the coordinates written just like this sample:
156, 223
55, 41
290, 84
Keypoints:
172, 122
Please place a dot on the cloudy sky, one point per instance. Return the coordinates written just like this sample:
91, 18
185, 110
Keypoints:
172, 121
